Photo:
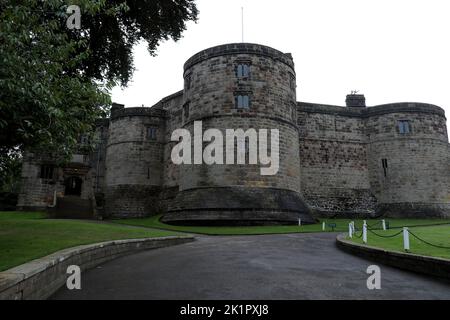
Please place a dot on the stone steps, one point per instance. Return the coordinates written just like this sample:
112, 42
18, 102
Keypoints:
72, 207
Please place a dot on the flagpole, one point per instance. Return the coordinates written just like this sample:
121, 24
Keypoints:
242, 22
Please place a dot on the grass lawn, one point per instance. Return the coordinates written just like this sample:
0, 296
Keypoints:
27, 236
341, 226
438, 235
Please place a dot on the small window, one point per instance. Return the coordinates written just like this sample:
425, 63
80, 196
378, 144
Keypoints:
47, 171
186, 110
242, 102
404, 127
151, 133
326, 157
384, 163
243, 70
187, 81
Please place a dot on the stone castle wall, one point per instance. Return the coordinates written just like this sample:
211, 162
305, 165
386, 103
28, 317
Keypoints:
333, 157
342, 151
417, 178
334, 161
134, 162
211, 99
36, 193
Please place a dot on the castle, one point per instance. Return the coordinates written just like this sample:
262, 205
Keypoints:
352, 161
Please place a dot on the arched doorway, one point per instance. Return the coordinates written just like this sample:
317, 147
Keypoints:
73, 186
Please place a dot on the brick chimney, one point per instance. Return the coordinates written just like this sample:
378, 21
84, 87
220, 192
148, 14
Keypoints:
355, 100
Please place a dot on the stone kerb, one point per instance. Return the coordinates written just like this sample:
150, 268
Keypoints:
436, 267
41, 278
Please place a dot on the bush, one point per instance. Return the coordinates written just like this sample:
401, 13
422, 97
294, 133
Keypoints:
8, 201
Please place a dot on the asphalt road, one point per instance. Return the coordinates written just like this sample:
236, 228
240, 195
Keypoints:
296, 266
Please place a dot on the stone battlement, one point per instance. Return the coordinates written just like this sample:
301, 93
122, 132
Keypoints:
239, 48
413, 107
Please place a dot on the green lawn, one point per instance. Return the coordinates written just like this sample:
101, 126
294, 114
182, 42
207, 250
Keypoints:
27, 236
341, 226
438, 235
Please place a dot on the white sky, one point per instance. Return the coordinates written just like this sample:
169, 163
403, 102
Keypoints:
389, 50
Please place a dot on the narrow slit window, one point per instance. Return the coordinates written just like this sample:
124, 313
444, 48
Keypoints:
384, 163
186, 111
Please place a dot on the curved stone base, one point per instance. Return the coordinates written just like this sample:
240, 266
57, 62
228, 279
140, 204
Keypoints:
237, 206
131, 201
414, 210
343, 203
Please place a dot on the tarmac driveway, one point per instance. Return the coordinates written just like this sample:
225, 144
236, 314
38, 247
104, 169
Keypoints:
295, 266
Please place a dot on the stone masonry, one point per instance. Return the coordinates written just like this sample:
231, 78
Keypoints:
352, 161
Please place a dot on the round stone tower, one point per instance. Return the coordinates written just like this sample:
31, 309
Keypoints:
241, 86
134, 161
408, 155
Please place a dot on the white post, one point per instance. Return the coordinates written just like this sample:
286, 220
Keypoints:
323, 226
365, 233
383, 222
405, 238
299, 222
353, 226
350, 230
54, 200
364, 222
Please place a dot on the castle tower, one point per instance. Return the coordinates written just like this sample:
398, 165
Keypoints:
240, 86
408, 157
134, 161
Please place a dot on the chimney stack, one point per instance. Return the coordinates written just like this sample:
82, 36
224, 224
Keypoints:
355, 100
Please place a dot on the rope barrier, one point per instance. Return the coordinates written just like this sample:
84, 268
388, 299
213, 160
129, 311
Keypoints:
371, 226
381, 236
411, 233
426, 242
360, 236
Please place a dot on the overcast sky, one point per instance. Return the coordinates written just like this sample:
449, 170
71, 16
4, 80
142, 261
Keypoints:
389, 50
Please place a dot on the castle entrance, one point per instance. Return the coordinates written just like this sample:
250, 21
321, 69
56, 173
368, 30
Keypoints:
73, 186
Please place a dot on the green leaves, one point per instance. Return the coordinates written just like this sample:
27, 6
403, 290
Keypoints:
43, 104
55, 82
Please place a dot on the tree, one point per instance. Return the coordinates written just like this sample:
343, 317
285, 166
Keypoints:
55, 81
10, 167
112, 33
